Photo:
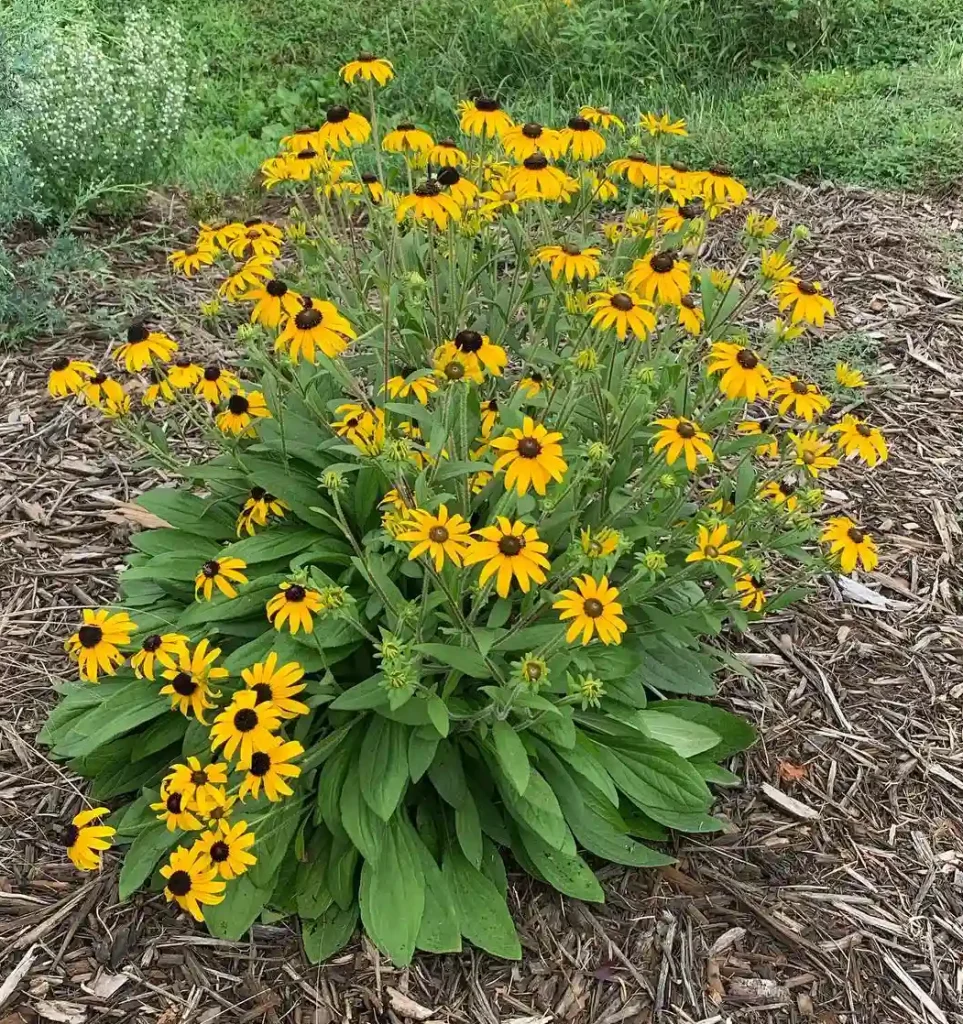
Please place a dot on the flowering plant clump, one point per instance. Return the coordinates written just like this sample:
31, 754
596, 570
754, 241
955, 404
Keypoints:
497, 459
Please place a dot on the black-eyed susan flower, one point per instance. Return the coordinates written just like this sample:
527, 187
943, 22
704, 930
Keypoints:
622, 311
661, 277
429, 202
159, 389
812, 453
68, 376
523, 140
406, 138
662, 124
85, 841
95, 645
502, 198
227, 848
183, 374
849, 377
318, 325
636, 169
476, 351
190, 882
781, 492
251, 274
509, 550
342, 128
760, 226
216, 383
189, 682
712, 545
163, 648
143, 347
851, 545
752, 594
581, 140
354, 419
257, 507
602, 116
114, 408
242, 409
806, 301
445, 153
259, 238
278, 169
277, 684
294, 604
719, 185
304, 137
394, 499
570, 261
189, 260
593, 609
799, 397
599, 186
532, 384
483, 116
369, 68
536, 177
458, 187
599, 543
400, 386
222, 573
373, 188
489, 417
768, 448
273, 301
197, 783
860, 440
437, 535
175, 811
691, 317
271, 768
680, 436
531, 457
744, 375
774, 265
245, 726
218, 806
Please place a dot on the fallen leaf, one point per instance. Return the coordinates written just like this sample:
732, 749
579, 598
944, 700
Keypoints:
789, 772
61, 1012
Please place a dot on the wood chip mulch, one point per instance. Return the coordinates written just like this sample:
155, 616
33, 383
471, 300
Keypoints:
836, 895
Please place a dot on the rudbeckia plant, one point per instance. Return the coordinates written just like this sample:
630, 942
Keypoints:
495, 467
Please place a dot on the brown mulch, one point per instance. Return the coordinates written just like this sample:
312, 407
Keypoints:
837, 893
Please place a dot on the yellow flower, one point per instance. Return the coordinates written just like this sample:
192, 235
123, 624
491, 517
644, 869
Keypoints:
717, 184
768, 448
662, 124
249, 275
744, 375
222, 573
661, 277
532, 384
342, 128
84, 841
218, 807
593, 610
712, 546
489, 417
753, 595
143, 347
688, 217
531, 457
189, 260
446, 153
622, 310
581, 140
806, 300
184, 374
406, 138
273, 301
318, 325
680, 436
636, 169
536, 177
805, 400
601, 188
759, 226
164, 648
782, 331
458, 187
245, 726
95, 644
429, 202
570, 260
850, 544
68, 376
277, 686
226, 848
190, 680
602, 116
483, 116
242, 409
259, 238
190, 882
173, 809
524, 140
277, 169
773, 265
849, 377
437, 535
857, 438
369, 68
295, 605
600, 543
199, 785
577, 303
159, 390
256, 509
269, 767
781, 492
501, 198
811, 453
691, 317
401, 387
510, 550
476, 352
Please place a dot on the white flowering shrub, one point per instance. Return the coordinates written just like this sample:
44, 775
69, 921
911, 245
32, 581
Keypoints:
97, 110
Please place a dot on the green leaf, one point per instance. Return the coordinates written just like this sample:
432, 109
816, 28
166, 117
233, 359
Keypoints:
280, 823
250, 603
383, 765
142, 857
675, 669
118, 714
735, 733
469, 831
566, 872
280, 541
583, 760
185, 511
392, 897
685, 821
439, 931
464, 659
312, 895
715, 774
684, 736
511, 754
482, 912
366, 829
162, 542
559, 729
329, 933
438, 713
422, 745
656, 777
537, 810
242, 904
296, 487
447, 774
341, 876
368, 694
159, 735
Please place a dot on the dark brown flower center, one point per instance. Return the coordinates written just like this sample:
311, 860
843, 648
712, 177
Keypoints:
238, 405
101, 378
183, 684
487, 104
679, 168
428, 190
263, 692
220, 851
685, 430
307, 319
180, 883
199, 778
152, 643
296, 593
855, 535
245, 720
712, 551
807, 288
303, 154
637, 158
260, 764
211, 569
799, 387
448, 176
337, 114
70, 835
60, 364
511, 545
369, 178
747, 359
787, 487
454, 370
622, 302
253, 222
438, 534
532, 130
809, 458
257, 493
276, 288
90, 636
447, 144
593, 607
662, 262
721, 171
692, 209
212, 373
405, 126
864, 429
690, 303
137, 332
529, 448
535, 162
173, 803
216, 813
579, 124
468, 341
365, 57
571, 250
